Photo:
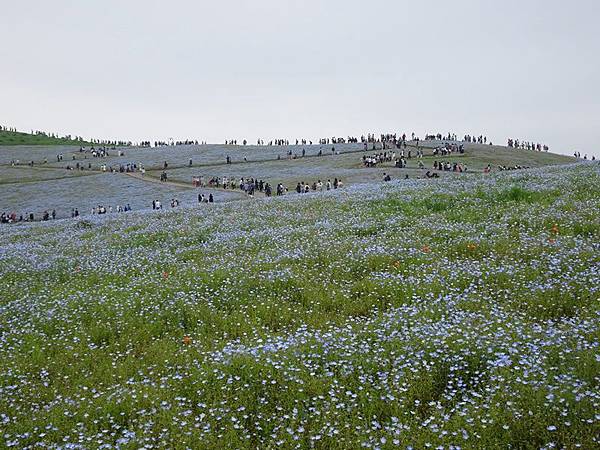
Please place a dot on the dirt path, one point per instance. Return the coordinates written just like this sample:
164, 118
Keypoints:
151, 179
180, 184
136, 175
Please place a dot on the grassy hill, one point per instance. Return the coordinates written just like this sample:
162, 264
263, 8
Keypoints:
478, 156
462, 312
21, 138
25, 189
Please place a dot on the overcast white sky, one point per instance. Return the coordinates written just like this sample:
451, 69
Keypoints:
137, 69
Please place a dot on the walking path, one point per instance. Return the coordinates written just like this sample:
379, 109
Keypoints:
326, 152
181, 184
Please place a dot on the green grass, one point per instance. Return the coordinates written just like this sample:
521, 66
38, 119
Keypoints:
20, 138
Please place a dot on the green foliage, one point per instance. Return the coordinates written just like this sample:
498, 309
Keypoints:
19, 138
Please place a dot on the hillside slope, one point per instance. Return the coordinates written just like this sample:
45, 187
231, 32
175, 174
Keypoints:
458, 312
477, 156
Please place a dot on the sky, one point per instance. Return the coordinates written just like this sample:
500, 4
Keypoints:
235, 69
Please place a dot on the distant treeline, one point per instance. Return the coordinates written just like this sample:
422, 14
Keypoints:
10, 136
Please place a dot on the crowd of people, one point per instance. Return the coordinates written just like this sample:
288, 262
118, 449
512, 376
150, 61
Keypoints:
447, 166
447, 149
515, 167
401, 163
585, 157
400, 160
101, 209
318, 186
12, 217
172, 143
481, 139
440, 137
30, 217
393, 139
526, 145
202, 198
370, 138
174, 203
390, 148
121, 168
248, 185
378, 158
51, 214
101, 152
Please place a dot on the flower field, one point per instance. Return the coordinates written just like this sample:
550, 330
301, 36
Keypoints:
458, 313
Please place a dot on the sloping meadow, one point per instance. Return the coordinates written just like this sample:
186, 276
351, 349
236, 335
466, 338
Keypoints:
456, 313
